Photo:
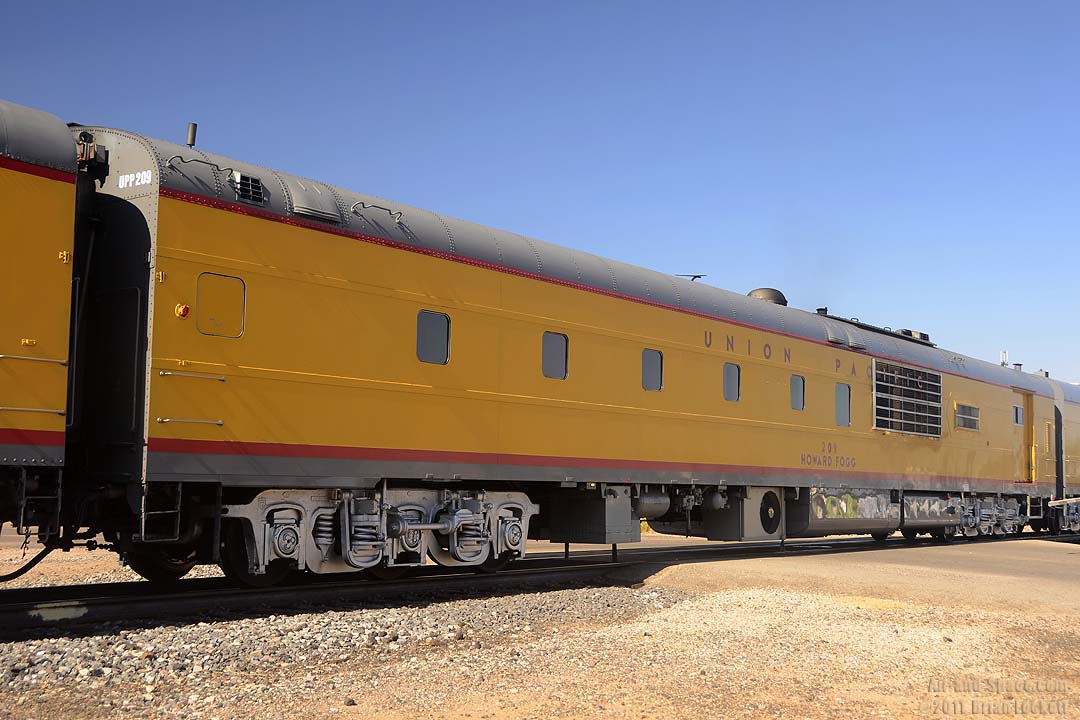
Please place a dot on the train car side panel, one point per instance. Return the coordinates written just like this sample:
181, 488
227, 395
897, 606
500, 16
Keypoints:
326, 370
35, 290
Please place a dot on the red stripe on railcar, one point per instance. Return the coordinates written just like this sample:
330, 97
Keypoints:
42, 438
39, 170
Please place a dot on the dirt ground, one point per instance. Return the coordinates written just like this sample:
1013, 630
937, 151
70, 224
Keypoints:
983, 630
976, 630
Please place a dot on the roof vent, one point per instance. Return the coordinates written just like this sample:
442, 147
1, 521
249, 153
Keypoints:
249, 188
771, 295
914, 334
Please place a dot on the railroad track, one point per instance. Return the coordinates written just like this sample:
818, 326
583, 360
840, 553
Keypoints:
27, 612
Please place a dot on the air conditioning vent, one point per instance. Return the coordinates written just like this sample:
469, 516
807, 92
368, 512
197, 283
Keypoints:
248, 188
914, 335
317, 213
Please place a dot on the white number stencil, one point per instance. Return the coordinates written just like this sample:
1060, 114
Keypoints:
143, 177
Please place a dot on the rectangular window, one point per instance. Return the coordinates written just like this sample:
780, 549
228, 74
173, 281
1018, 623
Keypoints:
652, 369
1049, 438
433, 337
843, 405
553, 355
798, 392
967, 417
731, 382
1018, 415
907, 399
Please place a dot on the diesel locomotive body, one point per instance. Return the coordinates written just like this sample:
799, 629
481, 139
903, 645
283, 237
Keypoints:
274, 374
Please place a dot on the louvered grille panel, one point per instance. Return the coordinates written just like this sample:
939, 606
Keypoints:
249, 188
907, 400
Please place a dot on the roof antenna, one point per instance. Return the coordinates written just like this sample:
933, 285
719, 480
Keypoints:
192, 129
692, 277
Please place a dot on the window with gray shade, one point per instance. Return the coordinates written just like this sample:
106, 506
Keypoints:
967, 417
798, 392
843, 405
652, 369
553, 355
731, 382
1018, 415
433, 337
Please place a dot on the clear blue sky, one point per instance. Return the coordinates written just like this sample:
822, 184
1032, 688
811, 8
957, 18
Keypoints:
914, 164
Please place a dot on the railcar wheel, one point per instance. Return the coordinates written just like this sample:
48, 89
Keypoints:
909, 533
1053, 524
494, 564
942, 536
234, 560
160, 566
1036, 526
880, 536
383, 572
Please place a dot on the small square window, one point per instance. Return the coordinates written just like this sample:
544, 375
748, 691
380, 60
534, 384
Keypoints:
433, 337
731, 382
652, 370
1018, 415
843, 405
798, 392
553, 355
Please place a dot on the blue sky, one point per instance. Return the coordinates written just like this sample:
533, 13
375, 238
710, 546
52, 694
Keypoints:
914, 164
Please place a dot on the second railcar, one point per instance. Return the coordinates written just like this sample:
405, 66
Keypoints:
37, 210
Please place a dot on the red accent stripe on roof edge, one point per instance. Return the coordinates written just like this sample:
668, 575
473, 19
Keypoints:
39, 170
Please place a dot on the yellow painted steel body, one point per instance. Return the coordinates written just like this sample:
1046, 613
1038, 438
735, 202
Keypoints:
326, 358
35, 301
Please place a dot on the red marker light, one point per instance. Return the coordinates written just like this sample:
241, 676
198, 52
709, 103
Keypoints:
182, 310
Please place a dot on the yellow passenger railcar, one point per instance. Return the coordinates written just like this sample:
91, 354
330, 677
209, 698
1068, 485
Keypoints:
288, 375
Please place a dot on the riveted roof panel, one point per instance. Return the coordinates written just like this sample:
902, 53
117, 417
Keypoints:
36, 137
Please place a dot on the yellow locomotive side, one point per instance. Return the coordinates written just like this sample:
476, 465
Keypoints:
35, 294
313, 346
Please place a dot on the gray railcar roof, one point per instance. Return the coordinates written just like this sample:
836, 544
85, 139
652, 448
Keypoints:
36, 137
196, 172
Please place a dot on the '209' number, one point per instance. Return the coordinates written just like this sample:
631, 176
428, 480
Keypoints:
134, 179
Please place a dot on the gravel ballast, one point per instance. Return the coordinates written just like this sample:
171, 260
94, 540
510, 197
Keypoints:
977, 630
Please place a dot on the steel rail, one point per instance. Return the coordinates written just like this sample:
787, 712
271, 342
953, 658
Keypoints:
30, 612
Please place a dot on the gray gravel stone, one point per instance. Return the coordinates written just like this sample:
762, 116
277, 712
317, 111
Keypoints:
182, 670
